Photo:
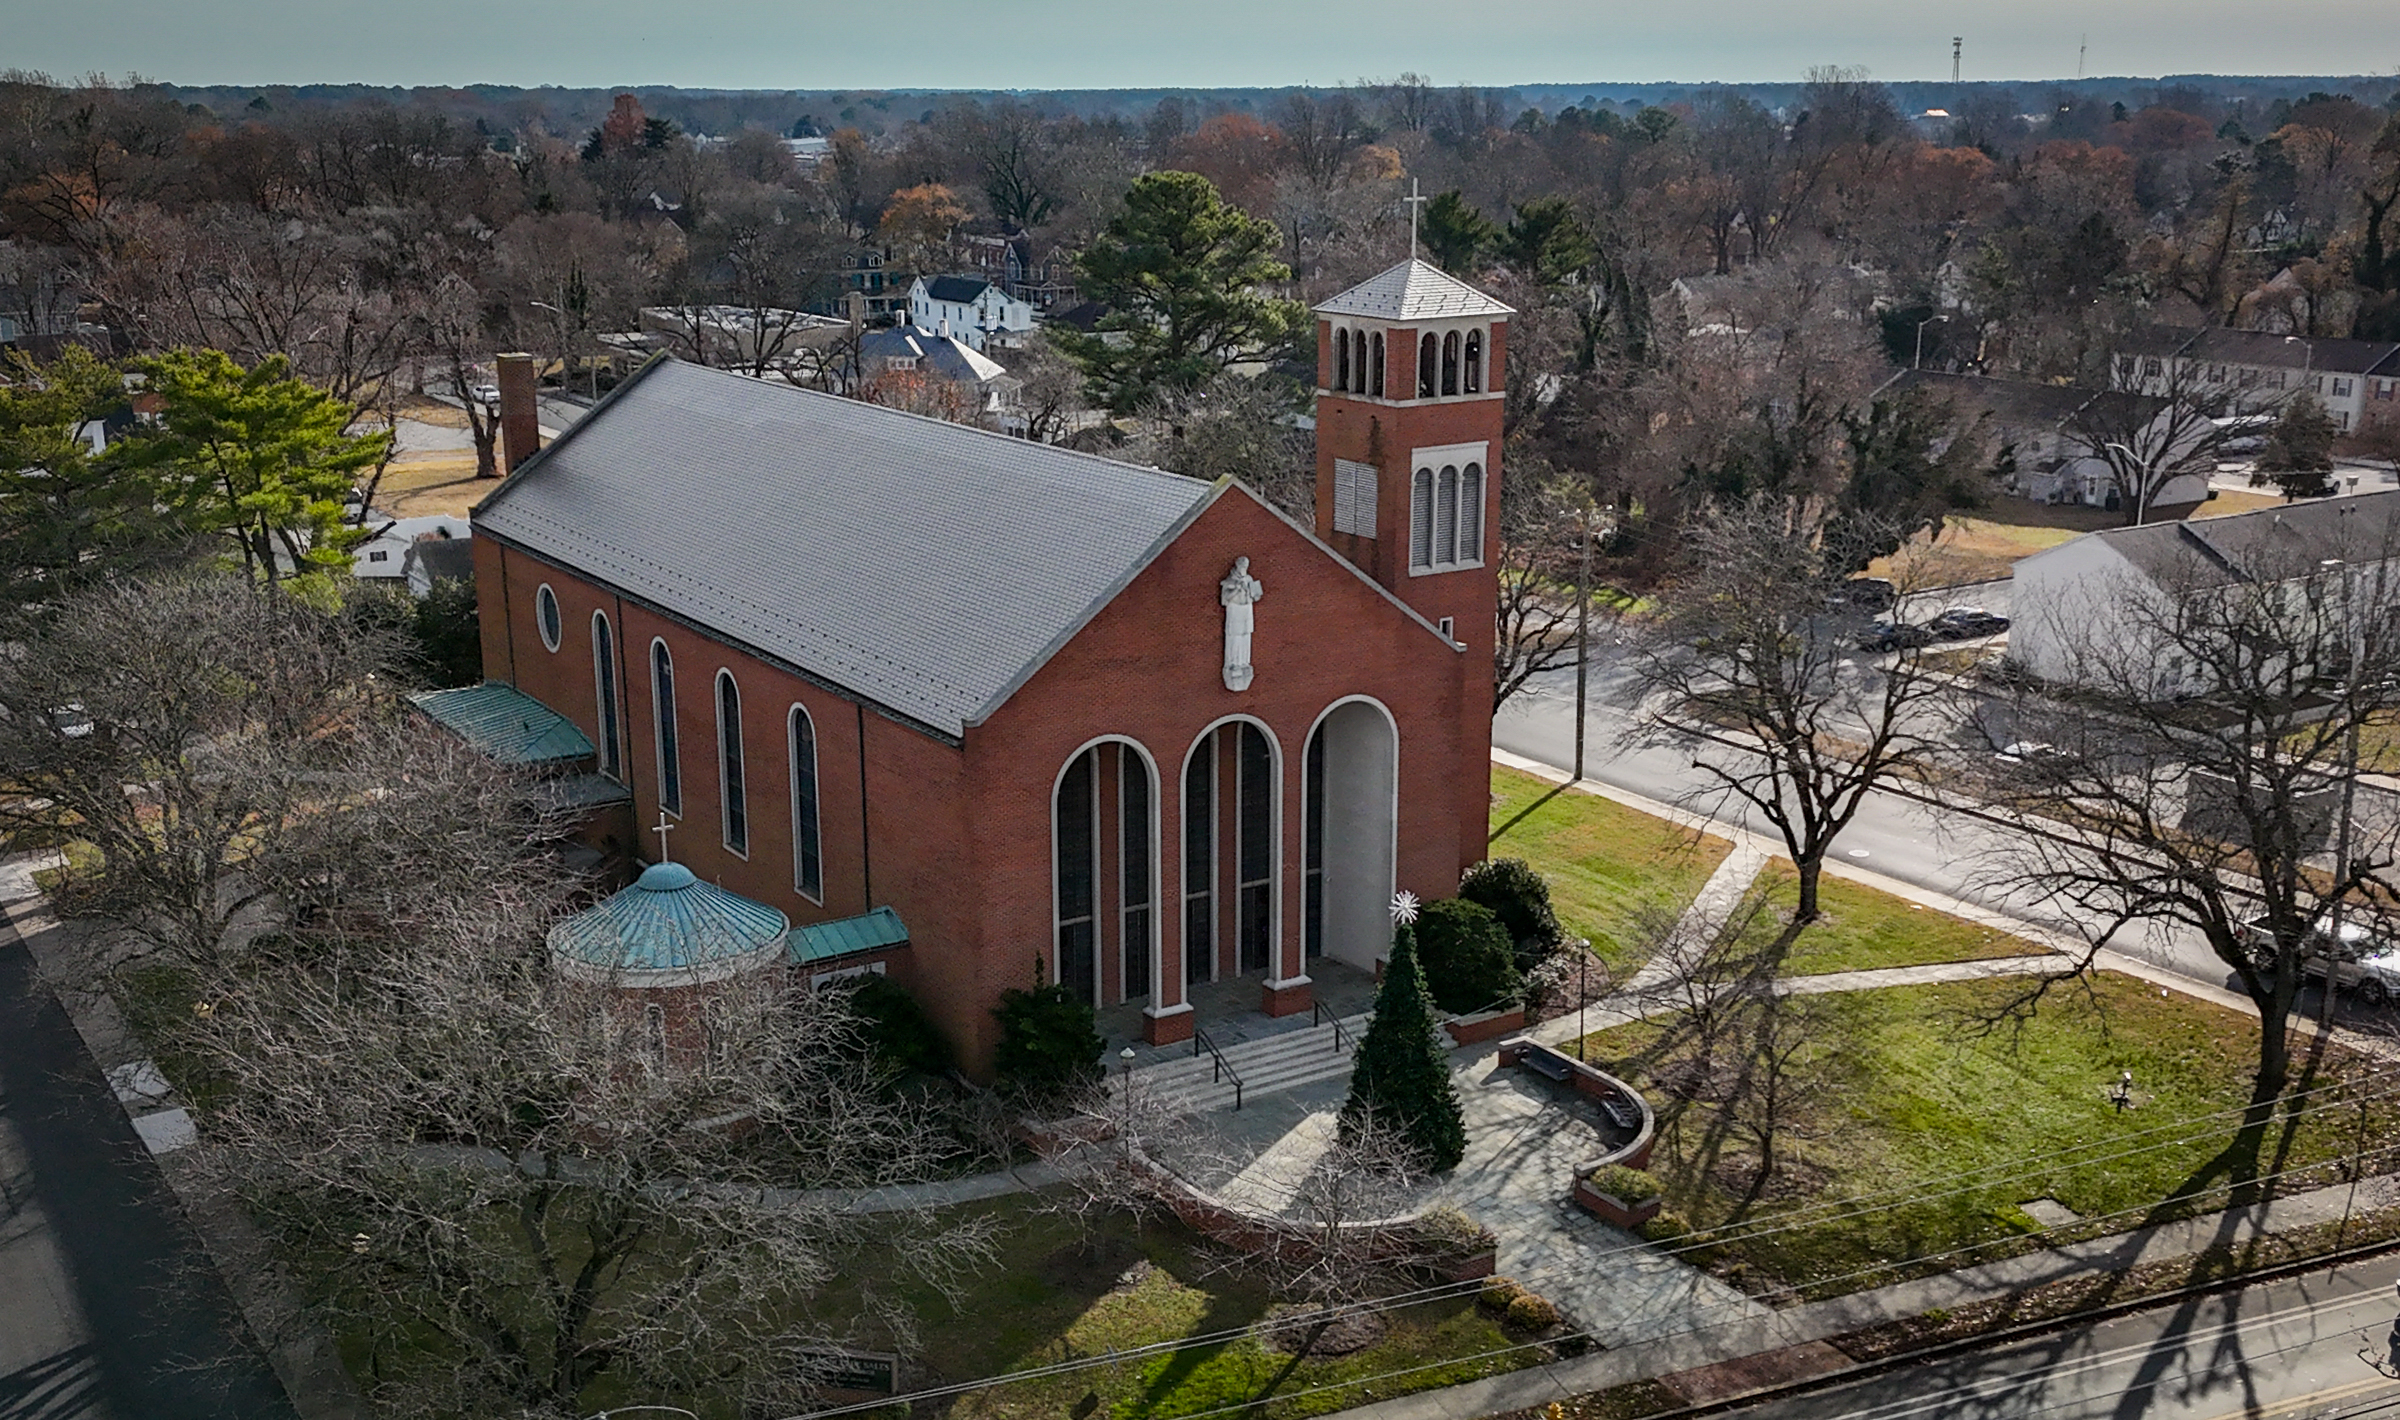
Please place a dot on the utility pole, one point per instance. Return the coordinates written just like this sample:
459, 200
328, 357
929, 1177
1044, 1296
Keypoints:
1583, 627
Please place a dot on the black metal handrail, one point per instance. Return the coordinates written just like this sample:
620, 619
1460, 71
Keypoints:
1221, 1069
1319, 1014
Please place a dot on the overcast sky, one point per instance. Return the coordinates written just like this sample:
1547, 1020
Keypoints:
1048, 44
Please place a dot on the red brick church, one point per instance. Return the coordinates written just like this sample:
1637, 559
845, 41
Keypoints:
960, 706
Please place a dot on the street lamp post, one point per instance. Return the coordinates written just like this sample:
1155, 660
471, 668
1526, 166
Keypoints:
2141, 492
1919, 363
1583, 628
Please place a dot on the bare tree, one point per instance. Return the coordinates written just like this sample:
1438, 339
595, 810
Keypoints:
1548, 537
508, 1181
1753, 653
178, 726
2151, 430
2199, 765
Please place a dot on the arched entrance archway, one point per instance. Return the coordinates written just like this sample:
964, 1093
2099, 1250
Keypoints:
1353, 783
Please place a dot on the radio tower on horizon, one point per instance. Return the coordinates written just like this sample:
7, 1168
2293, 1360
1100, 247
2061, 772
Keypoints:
1956, 41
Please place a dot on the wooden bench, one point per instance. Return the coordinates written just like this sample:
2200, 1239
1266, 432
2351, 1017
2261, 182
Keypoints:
1545, 1063
1621, 1112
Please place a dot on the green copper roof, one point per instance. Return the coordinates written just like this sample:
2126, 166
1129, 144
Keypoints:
823, 941
669, 921
505, 723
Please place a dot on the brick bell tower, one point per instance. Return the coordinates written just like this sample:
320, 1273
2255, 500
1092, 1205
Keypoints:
1409, 382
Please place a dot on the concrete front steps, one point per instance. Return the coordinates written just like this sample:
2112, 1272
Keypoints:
1267, 1066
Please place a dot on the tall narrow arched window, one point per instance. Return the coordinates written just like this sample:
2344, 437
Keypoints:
1420, 519
733, 789
1074, 812
1450, 363
1375, 364
604, 696
1429, 359
1200, 862
1135, 891
1474, 375
808, 847
1445, 517
1254, 849
662, 716
1470, 513
1341, 358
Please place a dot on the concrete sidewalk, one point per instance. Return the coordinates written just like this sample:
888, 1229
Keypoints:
1746, 1335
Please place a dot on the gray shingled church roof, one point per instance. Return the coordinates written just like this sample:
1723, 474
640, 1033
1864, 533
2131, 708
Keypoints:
1413, 290
923, 566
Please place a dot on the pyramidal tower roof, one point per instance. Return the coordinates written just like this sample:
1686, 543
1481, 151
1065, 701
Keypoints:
1413, 290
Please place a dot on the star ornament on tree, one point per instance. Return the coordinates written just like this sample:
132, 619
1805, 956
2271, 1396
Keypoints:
1404, 907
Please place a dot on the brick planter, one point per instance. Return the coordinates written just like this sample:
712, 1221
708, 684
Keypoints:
1484, 1025
1609, 1208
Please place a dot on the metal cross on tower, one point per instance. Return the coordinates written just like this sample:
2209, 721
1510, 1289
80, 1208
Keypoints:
664, 828
1416, 204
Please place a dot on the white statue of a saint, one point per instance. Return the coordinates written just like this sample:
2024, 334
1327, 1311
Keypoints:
1238, 592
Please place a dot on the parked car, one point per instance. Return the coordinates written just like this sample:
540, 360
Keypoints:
486, 395
2022, 750
1867, 594
1964, 623
2366, 961
1894, 636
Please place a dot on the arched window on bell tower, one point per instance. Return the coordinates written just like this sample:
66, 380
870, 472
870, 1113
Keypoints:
1375, 364
1341, 359
1450, 363
1429, 359
1474, 375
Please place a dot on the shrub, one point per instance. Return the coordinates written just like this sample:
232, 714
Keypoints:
1469, 961
1531, 1313
1048, 1044
1669, 1226
1520, 898
898, 1028
1498, 1294
1630, 1185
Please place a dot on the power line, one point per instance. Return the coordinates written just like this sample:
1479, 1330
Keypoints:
1447, 1291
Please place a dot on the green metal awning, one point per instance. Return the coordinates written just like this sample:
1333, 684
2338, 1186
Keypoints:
824, 941
505, 723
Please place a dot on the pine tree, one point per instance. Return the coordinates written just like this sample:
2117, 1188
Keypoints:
1399, 1077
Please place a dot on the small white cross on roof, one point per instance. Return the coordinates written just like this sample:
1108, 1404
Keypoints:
664, 828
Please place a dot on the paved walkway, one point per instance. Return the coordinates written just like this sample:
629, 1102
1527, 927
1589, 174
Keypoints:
1727, 1335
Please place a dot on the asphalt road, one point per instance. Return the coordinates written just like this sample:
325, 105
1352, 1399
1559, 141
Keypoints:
2287, 1349
109, 1305
1938, 849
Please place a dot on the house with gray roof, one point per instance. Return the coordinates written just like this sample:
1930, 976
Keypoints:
2257, 371
972, 310
1071, 720
2085, 606
2045, 432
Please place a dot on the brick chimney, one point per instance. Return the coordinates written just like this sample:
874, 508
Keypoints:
520, 424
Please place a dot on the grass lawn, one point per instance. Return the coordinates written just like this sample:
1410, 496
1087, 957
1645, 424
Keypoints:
1863, 928
2230, 501
1974, 550
1937, 1136
1605, 862
1058, 1296
439, 483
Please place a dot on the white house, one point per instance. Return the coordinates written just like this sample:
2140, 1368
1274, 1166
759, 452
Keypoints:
2042, 426
2257, 371
385, 553
2090, 606
976, 312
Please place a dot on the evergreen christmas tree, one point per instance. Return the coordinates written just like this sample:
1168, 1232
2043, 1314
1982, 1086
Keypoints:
1400, 1077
